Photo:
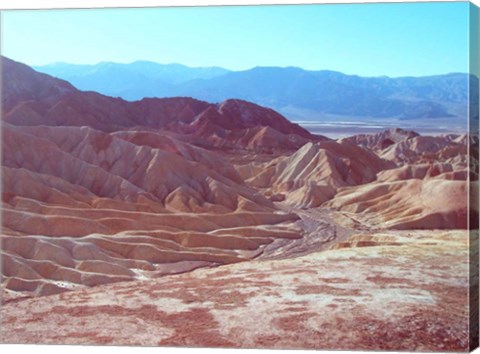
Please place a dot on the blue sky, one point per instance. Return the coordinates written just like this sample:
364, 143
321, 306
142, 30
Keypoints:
409, 39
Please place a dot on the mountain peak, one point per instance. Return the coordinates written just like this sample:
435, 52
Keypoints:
21, 83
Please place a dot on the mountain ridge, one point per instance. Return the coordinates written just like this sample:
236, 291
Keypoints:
285, 89
151, 62
32, 98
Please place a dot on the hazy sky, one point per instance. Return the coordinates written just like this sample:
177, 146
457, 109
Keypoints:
368, 39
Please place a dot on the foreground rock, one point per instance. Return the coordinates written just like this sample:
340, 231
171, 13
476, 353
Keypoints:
382, 291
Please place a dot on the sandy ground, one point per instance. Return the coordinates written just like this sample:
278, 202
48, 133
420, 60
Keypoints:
403, 290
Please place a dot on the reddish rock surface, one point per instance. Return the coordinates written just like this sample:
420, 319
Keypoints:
401, 291
30, 98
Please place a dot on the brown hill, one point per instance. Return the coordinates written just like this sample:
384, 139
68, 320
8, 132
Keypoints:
20, 83
31, 98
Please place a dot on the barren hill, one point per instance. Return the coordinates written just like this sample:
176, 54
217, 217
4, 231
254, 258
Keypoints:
181, 222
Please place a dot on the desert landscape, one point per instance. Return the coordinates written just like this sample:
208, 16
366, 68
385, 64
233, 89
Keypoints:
177, 222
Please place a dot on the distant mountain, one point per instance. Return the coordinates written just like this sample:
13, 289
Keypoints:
327, 92
130, 81
301, 94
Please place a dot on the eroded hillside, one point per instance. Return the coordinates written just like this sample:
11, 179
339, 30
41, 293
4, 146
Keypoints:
180, 222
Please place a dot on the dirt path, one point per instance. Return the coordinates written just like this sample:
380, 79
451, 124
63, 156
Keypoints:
320, 233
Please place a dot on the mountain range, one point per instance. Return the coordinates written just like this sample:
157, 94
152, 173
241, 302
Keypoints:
299, 94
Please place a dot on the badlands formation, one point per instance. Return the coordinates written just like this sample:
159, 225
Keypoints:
177, 222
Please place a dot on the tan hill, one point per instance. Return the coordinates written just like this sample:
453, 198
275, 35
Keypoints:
407, 147
312, 174
428, 149
429, 189
409, 204
424, 171
382, 140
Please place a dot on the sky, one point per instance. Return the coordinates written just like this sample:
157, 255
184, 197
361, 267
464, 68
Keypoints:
406, 39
